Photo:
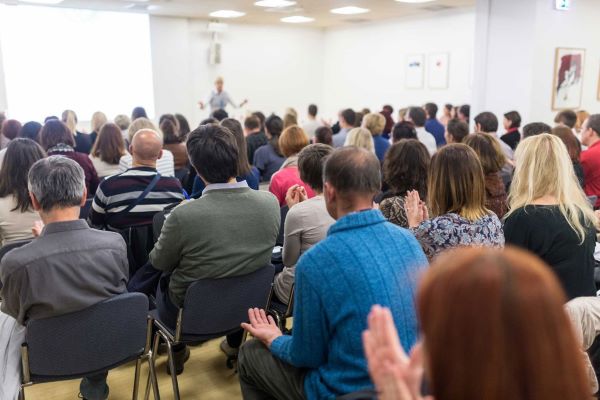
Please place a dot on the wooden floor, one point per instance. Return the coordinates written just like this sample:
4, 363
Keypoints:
205, 376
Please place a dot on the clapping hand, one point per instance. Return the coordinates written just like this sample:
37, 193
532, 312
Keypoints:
416, 210
262, 327
295, 194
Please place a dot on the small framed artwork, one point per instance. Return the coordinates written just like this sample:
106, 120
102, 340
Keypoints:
567, 85
437, 70
414, 71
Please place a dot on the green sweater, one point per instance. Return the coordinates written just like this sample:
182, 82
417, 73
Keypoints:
226, 232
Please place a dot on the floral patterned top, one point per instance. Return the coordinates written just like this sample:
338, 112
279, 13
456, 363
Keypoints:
392, 209
451, 230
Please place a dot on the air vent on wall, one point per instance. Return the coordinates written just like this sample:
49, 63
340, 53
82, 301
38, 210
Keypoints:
436, 7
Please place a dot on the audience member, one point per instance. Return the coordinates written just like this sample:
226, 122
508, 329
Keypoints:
375, 123
184, 126
492, 160
524, 329
17, 216
567, 118
405, 168
550, 215
582, 115
512, 123
337, 281
403, 130
83, 141
433, 126
456, 131
123, 122
76, 266
165, 165
8, 131
290, 119
307, 220
358, 119
255, 137
132, 197
208, 121
464, 113
402, 114
360, 137
416, 115
312, 124
31, 130
573, 148
535, 128
456, 199
108, 149
98, 120
56, 139
219, 114
324, 135
172, 119
268, 158
389, 122
261, 117
447, 116
486, 122
138, 112
590, 159
347, 118
173, 143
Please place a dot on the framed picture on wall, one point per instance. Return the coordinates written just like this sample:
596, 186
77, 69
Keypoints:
437, 70
414, 71
567, 85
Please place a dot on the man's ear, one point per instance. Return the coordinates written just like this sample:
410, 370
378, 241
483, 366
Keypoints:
35, 202
160, 155
329, 192
84, 198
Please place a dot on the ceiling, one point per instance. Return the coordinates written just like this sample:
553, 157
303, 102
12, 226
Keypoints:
318, 9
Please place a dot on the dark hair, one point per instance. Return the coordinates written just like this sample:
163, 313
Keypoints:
403, 130
55, 132
465, 110
514, 117
214, 153
208, 121
566, 117
312, 110
405, 167
389, 121
488, 150
448, 107
570, 140
50, 118
431, 109
21, 154
358, 118
311, 160
31, 130
388, 108
184, 126
10, 128
109, 145
535, 128
417, 116
458, 130
236, 129
172, 118
274, 126
349, 116
594, 123
324, 135
487, 121
353, 170
169, 131
138, 112
252, 122
261, 117
219, 114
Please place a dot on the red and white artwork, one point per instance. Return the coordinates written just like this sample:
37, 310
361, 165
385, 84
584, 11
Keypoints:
568, 78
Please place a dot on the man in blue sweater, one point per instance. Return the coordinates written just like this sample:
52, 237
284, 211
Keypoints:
364, 260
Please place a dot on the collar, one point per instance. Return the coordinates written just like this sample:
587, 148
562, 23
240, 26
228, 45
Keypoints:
290, 162
57, 227
149, 169
224, 186
511, 130
60, 148
594, 145
357, 220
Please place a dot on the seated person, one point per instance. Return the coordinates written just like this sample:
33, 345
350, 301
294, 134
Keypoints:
120, 202
337, 282
76, 266
165, 165
307, 220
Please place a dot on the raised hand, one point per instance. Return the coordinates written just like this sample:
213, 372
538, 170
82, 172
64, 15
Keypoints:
416, 211
262, 327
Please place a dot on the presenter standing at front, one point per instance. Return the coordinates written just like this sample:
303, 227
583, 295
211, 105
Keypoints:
219, 98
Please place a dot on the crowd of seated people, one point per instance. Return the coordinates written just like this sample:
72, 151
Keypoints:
369, 203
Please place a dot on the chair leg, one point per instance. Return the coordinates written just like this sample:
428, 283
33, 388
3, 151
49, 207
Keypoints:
21, 393
136, 378
152, 378
171, 361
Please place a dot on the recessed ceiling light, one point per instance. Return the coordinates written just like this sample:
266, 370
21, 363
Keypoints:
226, 14
42, 1
274, 3
350, 10
297, 19
414, 1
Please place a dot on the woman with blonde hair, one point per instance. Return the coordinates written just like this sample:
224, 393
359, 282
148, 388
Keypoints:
360, 137
98, 119
550, 214
375, 123
290, 118
83, 141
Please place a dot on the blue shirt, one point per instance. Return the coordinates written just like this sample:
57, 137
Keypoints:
381, 146
364, 260
251, 180
340, 138
438, 130
267, 161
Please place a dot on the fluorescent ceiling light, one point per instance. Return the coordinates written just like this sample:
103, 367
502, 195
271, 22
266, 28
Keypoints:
350, 10
274, 3
42, 1
414, 1
297, 19
226, 14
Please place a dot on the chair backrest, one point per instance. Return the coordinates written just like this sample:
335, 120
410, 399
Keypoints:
11, 246
140, 242
283, 211
88, 341
214, 306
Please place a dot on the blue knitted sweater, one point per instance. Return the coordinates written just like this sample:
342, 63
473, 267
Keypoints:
364, 260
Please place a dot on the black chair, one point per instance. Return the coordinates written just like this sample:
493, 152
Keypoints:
213, 308
87, 342
11, 246
284, 210
140, 242
182, 174
281, 311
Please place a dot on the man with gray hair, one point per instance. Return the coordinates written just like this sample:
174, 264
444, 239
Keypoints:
69, 266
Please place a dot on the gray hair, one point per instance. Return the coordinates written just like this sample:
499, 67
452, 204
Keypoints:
57, 182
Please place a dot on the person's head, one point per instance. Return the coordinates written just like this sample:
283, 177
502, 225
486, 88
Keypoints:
403, 130
448, 110
512, 120
374, 123
236, 129
566, 135
289, 119
347, 118
582, 115
214, 153
360, 137
184, 126
50, 118
512, 352
292, 140
488, 150
57, 186
456, 183
31, 130
169, 132
55, 132
21, 154
324, 135
352, 178
70, 119
291, 110
405, 167
273, 127
169, 117
431, 109
590, 131
313, 110
208, 121
456, 131
138, 112
109, 145
535, 128
139, 124
567, 118
98, 119
417, 116
146, 148
310, 165
122, 121
486, 122
402, 114
464, 113
543, 168
10, 128
219, 114
251, 125
365, 111
388, 108
219, 85
261, 117
389, 122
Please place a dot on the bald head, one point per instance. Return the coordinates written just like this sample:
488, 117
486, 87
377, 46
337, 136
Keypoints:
146, 148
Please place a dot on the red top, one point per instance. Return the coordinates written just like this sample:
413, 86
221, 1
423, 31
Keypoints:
590, 161
284, 179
